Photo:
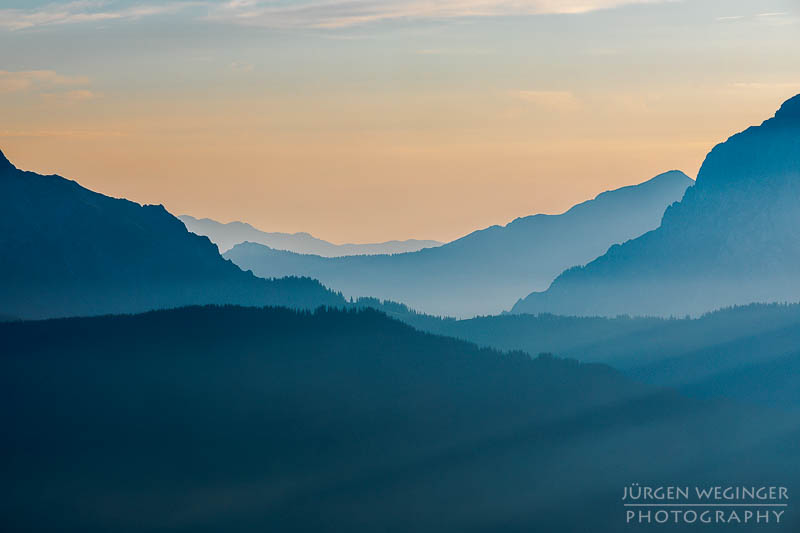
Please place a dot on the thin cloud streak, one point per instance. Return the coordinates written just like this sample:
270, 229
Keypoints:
334, 14
324, 14
773, 14
26, 80
48, 84
776, 18
78, 95
83, 11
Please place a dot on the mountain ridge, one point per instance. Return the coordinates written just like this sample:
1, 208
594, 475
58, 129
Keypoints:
224, 418
69, 250
487, 270
729, 241
226, 235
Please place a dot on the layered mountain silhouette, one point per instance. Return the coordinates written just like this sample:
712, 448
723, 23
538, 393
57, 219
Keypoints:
485, 271
228, 235
732, 239
70, 251
243, 420
750, 353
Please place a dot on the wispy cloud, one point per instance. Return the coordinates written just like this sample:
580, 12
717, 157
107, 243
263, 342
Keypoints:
773, 17
47, 84
77, 95
778, 18
242, 66
730, 18
344, 13
84, 11
298, 13
37, 80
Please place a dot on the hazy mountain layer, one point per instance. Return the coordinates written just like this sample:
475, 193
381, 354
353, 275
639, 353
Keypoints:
486, 271
732, 239
733, 353
236, 419
70, 251
226, 236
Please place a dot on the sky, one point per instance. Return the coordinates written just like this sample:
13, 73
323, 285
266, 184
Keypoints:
371, 120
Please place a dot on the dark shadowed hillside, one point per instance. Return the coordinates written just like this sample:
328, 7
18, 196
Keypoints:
243, 419
731, 240
70, 251
488, 270
228, 235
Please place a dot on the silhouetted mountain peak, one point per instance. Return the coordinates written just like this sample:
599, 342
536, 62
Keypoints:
790, 110
671, 179
669, 175
730, 240
665, 179
227, 235
73, 251
5, 164
484, 271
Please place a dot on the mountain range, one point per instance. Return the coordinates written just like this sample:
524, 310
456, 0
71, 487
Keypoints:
731, 240
486, 271
228, 235
748, 353
71, 251
368, 416
243, 420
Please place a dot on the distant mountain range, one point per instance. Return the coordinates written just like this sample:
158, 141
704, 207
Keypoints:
750, 353
226, 236
244, 418
733, 239
70, 251
485, 271
241, 420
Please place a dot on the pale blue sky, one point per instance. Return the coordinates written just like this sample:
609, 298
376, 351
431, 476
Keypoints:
319, 115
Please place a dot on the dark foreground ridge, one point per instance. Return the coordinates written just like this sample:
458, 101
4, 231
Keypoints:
243, 419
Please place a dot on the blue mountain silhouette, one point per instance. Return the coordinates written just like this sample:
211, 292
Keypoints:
228, 235
70, 251
485, 271
248, 420
731, 240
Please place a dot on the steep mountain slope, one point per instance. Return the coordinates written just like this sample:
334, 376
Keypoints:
485, 271
731, 240
226, 236
242, 419
70, 251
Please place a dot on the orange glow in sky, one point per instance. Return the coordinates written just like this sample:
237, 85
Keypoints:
412, 125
